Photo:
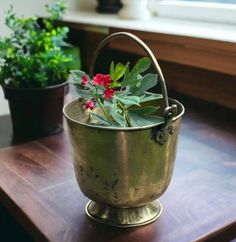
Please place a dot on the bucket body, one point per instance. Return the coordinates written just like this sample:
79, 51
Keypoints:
121, 167
36, 112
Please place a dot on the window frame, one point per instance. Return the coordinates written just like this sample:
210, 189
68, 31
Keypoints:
224, 13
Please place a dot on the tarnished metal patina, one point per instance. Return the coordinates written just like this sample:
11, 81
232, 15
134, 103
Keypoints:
124, 170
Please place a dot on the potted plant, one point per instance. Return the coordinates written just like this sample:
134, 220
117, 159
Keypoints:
124, 139
34, 71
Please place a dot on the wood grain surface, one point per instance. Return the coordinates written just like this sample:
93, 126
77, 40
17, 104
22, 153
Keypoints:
39, 189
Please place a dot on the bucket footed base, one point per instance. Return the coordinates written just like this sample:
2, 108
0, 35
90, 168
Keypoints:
124, 217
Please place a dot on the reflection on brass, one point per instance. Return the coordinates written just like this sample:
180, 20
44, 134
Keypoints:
121, 167
124, 217
124, 170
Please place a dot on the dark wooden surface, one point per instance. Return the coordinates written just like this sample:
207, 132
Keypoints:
39, 189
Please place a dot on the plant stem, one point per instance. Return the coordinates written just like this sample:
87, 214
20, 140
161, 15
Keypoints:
125, 113
127, 117
103, 110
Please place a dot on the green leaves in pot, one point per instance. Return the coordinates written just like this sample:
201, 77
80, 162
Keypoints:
120, 98
33, 56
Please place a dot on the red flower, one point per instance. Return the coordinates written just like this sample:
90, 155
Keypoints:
108, 93
84, 80
90, 105
103, 80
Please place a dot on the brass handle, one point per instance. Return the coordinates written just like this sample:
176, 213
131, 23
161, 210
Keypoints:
145, 48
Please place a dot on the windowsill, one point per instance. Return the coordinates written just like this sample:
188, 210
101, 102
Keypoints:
211, 31
199, 57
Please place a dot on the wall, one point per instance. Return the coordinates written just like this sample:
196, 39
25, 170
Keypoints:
29, 8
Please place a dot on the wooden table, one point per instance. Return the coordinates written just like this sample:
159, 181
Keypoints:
39, 189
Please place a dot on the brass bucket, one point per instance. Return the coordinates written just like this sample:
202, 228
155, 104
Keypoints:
124, 170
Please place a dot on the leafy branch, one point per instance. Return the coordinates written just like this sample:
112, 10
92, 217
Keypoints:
32, 56
121, 95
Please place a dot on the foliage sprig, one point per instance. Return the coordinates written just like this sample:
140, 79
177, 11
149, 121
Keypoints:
32, 55
121, 95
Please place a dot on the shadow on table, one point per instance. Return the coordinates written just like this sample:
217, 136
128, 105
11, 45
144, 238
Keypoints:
90, 230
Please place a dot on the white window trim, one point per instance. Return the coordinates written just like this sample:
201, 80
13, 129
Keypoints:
199, 11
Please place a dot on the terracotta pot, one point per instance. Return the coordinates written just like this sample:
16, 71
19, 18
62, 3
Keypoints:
108, 6
36, 112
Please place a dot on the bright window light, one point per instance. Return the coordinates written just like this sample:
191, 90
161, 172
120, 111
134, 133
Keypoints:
221, 11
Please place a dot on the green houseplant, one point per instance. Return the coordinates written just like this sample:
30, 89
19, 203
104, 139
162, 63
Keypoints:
120, 98
34, 71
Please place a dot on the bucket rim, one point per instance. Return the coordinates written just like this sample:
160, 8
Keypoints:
121, 128
30, 89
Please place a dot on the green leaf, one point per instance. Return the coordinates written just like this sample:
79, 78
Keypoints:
128, 100
119, 72
77, 79
100, 119
137, 120
144, 110
126, 74
139, 80
56, 10
77, 73
81, 92
112, 69
107, 103
149, 97
98, 90
99, 87
141, 66
147, 82
120, 119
